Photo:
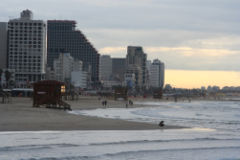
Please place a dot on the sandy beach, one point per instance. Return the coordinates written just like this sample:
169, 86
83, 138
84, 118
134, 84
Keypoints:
19, 115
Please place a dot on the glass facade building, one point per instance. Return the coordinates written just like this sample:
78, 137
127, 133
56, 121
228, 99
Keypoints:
62, 37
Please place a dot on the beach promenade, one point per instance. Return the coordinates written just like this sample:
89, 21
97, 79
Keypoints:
19, 115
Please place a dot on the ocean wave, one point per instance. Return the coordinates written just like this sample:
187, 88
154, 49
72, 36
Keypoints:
34, 147
172, 140
64, 158
171, 150
125, 154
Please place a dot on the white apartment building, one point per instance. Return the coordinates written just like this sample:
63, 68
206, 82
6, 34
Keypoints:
157, 74
63, 67
105, 67
79, 79
68, 69
77, 65
27, 47
3, 45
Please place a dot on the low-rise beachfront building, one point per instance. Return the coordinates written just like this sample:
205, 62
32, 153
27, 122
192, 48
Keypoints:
111, 83
137, 71
129, 80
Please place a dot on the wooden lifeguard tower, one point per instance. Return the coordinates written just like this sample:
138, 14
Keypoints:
157, 93
49, 93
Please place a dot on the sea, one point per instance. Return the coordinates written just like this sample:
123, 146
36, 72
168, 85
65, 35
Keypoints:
213, 133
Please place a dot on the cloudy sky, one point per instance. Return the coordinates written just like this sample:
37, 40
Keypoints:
184, 34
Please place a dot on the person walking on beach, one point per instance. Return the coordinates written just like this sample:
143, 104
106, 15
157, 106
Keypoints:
103, 103
130, 102
126, 103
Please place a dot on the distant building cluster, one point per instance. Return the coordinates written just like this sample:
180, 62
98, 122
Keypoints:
33, 50
134, 71
210, 92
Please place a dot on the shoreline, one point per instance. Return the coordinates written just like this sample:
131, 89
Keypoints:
19, 115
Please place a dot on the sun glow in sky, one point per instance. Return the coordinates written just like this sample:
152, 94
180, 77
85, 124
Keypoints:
196, 79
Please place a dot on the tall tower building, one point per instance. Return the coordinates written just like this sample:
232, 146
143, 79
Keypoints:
118, 68
162, 74
3, 45
105, 67
136, 62
157, 74
64, 38
27, 48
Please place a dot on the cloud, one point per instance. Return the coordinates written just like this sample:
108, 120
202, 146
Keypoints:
114, 3
198, 15
182, 51
196, 52
112, 50
185, 34
186, 57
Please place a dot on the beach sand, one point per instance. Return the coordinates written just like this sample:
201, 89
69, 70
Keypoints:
19, 115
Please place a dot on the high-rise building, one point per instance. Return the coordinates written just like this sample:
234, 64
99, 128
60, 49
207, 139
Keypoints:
105, 67
162, 74
157, 74
148, 65
136, 63
64, 38
63, 67
27, 48
3, 45
118, 68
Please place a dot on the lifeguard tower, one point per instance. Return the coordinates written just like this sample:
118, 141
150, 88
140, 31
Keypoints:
49, 93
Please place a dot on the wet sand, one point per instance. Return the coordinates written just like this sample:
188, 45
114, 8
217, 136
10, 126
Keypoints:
19, 115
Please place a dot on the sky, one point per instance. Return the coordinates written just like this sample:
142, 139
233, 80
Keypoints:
187, 35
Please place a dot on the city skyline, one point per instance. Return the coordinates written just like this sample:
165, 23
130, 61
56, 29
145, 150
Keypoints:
185, 35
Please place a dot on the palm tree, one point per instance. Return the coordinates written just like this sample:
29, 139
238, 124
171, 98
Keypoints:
7, 76
1, 71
